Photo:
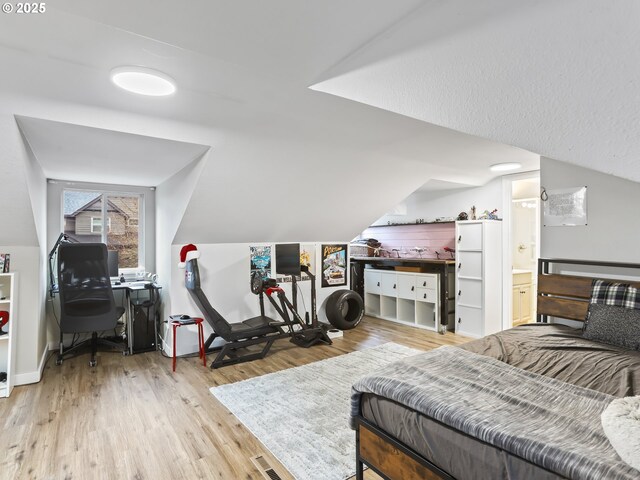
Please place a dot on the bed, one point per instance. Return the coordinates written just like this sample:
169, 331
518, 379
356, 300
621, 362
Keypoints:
521, 404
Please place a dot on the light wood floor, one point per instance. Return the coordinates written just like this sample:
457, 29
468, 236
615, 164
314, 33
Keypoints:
132, 418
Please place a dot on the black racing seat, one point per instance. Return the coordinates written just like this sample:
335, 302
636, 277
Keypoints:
256, 330
255, 327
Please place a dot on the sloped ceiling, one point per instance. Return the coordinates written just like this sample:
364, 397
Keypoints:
557, 78
286, 162
80, 153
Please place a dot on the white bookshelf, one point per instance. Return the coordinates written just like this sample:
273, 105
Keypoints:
8, 297
478, 277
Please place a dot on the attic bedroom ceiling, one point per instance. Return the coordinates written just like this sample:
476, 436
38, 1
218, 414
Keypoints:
286, 158
557, 78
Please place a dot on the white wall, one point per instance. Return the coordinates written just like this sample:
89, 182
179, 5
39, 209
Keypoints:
449, 203
612, 232
23, 220
225, 279
523, 233
172, 198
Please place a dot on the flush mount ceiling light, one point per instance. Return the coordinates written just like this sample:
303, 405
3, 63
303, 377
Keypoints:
504, 167
144, 81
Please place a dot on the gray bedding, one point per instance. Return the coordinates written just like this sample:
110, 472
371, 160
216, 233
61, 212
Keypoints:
561, 352
546, 422
460, 455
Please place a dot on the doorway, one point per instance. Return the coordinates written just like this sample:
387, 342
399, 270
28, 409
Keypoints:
522, 242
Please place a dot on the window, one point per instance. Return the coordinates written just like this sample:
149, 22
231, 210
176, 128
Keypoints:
96, 224
85, 213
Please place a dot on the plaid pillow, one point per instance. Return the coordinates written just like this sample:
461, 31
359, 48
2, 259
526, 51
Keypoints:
631, 298
608, 293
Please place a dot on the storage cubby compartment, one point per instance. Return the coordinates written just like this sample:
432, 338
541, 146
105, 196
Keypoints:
426, 315
404, 297
372, 304
406, 310
5, 289
388, 307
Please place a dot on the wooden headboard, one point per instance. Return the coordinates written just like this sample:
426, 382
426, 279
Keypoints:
567, 296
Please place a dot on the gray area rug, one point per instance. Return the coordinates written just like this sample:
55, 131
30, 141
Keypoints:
302, 414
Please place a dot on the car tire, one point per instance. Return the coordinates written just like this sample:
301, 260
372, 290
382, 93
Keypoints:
344, 309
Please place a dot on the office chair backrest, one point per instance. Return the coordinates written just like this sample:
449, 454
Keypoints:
86, 298
192, 282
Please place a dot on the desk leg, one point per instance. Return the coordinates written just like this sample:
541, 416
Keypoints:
175, 327
129, 323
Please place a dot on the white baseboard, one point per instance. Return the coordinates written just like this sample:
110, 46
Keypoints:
32, 377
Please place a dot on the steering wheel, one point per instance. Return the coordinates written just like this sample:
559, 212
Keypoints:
256, 283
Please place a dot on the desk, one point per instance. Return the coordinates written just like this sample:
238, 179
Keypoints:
445, 268
129, 288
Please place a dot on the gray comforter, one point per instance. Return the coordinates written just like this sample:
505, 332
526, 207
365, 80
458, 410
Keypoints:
543, 420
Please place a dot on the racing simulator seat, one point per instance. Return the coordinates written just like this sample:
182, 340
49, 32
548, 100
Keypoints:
254, 331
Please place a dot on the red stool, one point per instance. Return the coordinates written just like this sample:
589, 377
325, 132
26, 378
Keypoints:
190, 321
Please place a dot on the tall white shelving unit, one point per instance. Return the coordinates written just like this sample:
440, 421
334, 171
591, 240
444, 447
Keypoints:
8, 301
478, 277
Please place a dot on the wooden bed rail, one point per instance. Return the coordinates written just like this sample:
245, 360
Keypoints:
567, 296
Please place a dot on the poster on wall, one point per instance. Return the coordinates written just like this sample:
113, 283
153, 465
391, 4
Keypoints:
260, 260
565, 207
308, 258
334, 265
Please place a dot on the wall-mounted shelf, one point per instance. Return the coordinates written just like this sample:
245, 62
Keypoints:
407, 224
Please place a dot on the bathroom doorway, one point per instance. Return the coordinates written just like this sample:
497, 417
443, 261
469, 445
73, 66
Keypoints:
522, 239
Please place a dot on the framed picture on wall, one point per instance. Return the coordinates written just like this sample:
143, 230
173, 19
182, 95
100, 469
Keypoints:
565, 207
260, 260
334, 265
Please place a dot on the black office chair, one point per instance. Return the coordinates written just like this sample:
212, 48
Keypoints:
254, 331
86, 299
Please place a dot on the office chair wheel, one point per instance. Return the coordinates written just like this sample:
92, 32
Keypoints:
59, 361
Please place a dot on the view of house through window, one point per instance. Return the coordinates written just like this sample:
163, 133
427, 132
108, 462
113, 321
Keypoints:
85, 213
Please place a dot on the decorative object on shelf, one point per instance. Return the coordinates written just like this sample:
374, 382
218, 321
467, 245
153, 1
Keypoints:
334, 265
463, 216
489, 215
473, 213
419, 251
451, 252
4, 319
5, 259
426, 222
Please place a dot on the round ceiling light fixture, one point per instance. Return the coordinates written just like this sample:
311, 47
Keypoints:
143, 81
505, 167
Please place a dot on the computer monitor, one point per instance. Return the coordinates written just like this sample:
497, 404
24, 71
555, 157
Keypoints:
288, 259
112, 263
